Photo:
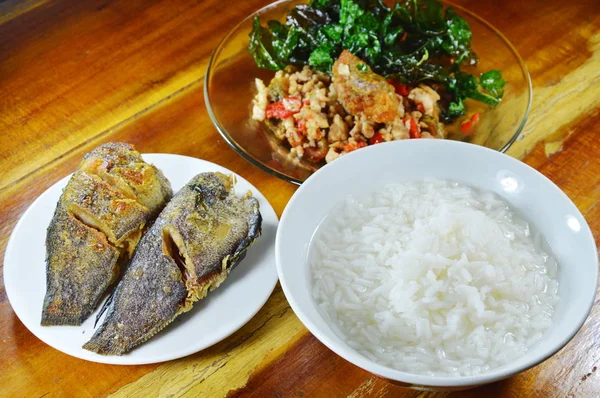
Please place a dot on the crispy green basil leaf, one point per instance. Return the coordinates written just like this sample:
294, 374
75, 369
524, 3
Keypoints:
410, 42
261, 47
493, 83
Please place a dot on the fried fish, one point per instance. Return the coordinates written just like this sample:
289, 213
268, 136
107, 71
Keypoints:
195, 242
98, 222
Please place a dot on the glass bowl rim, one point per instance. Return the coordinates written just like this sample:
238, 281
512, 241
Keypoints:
249, 157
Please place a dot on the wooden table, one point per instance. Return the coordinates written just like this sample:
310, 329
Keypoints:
75, 74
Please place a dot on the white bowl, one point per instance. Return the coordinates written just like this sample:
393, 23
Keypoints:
539, 200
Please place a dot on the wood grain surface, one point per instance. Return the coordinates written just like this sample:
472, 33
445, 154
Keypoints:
75, 74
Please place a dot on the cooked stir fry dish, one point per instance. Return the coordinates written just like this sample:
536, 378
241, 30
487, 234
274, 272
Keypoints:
357, 73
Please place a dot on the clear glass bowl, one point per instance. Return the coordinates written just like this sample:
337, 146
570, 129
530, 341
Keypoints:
229, 89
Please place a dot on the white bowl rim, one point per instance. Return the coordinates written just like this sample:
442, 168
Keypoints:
411, 378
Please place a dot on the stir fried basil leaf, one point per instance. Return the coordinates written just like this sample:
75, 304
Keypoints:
428, 17
321, 4
261, 47
284, 39
457, 42
349, 13
389, 30
333, 32
411, 42
493, 83
321, 58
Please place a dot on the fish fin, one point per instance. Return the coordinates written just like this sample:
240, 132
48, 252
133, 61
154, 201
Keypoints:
104, 307
55, 319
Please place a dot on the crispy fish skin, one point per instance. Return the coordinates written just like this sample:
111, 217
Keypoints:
198, 238
70, 297
99, 205
99, 219
123, 167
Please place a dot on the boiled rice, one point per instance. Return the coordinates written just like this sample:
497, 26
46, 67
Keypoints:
433, 277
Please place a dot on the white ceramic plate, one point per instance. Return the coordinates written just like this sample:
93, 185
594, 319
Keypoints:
216, 317
533, 195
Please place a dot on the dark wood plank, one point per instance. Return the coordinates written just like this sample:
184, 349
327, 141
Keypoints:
73, 70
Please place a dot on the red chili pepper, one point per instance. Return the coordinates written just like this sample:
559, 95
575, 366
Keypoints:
349, 147
414, 131
466, 126
400, 88
277, 109
376, 139
352, 147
